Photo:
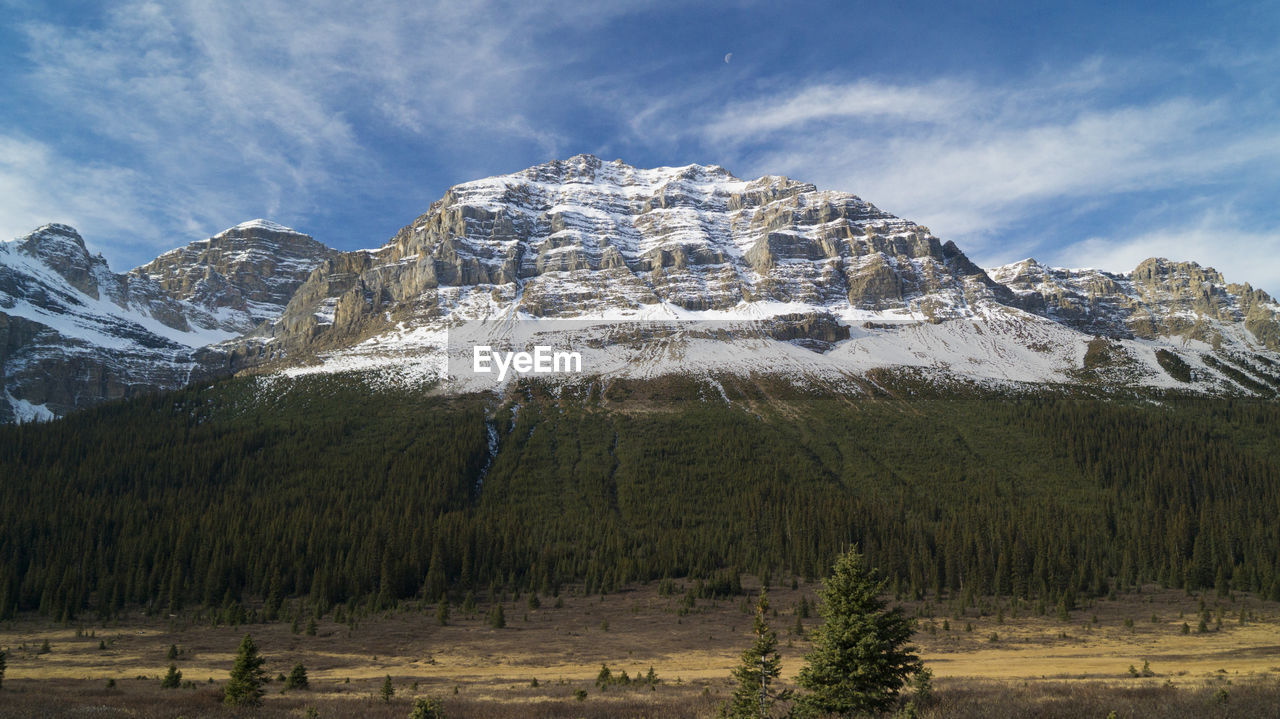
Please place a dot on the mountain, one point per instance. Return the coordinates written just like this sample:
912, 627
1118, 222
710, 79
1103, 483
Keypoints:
244, 275
769, 262
1158, 299
685, 271
74, 333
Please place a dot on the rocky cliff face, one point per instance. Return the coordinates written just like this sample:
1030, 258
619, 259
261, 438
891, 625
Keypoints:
584, 237
797, 281
587, 239
73, 333
1157, 299
243, 275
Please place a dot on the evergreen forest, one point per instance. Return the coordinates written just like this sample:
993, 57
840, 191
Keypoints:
329, 490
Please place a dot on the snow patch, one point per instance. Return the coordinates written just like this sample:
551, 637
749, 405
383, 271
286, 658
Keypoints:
24, 411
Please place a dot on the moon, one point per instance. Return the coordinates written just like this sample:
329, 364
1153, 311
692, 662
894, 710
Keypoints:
727, 58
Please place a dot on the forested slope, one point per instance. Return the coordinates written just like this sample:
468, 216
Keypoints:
337, 491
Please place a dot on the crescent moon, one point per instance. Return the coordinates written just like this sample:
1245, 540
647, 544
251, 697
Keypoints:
728, 57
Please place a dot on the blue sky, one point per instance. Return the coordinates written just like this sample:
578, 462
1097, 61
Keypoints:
1079, 133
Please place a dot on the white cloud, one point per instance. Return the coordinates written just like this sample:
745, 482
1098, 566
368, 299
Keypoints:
929, 103
1213, 240
972, 162
38, 185
215, 112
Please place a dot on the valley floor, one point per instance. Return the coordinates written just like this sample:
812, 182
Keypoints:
996, 659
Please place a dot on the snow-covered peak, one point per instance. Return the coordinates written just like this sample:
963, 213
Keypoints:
259, 224
79, 333
52, 239
53, 229
245, 274
591, 174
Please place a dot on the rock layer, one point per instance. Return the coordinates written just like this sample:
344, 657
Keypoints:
586, 237
73, 333
583, 238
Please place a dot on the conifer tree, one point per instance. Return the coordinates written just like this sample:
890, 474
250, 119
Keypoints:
428, 708
433, 587
753, 698
172, 679
3, 656
297, 678
860, 657
605, 677
247, 676
388, 691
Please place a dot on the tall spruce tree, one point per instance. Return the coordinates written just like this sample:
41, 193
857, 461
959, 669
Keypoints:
861, 656
247, 676
758, 673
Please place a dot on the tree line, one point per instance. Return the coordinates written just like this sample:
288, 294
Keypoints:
338, 493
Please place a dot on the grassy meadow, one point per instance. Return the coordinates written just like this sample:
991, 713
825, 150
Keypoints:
1131, 655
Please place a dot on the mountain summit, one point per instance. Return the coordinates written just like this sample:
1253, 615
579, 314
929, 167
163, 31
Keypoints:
247, 273
74, 333
586, 239
850, 297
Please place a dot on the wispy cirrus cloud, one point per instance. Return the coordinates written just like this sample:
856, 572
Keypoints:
993, 166
158, 122
796, 110
281, 108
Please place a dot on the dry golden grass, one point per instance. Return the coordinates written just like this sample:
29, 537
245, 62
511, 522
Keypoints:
480, 671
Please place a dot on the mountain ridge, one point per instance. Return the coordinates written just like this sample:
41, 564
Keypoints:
74, 333
585, 239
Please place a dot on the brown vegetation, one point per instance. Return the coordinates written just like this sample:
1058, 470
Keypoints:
991, 660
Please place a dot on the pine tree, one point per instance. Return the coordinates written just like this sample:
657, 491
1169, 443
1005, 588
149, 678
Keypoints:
761, 665
388, 691
3, 655
605, 677
247, 676
860, 657
433, 587
497, 618
442, 613
297, 678
173, 679
428, 708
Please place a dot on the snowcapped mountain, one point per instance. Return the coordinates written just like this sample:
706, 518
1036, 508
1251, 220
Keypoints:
73, 333
606, 243
649, 272
244, 275
1158, 299
584, 238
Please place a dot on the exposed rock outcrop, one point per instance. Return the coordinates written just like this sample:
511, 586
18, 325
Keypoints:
73, 333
